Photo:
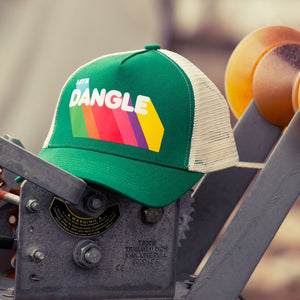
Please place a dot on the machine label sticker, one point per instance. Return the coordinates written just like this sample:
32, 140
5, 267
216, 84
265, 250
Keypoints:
83, 227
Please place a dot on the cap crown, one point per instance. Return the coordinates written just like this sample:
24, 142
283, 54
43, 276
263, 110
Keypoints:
146, 123
141, 105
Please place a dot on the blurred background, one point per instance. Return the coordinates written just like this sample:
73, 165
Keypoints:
43, 42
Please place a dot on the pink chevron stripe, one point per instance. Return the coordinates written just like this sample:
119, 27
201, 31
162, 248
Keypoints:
107, 126
125, 127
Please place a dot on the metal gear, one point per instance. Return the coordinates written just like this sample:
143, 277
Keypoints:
185, 211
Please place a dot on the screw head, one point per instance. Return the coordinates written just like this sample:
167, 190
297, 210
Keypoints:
33, 205
96, 202
37, 255
92, 255
87, 254
152, 215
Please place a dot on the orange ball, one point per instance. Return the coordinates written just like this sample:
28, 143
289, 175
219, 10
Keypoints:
246, 58
276, 83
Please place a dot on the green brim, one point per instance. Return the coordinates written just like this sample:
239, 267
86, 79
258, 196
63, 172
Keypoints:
149, 184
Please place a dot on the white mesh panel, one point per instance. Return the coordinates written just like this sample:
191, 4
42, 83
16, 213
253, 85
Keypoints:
212, 145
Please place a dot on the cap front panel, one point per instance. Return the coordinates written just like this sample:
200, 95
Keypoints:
137, 105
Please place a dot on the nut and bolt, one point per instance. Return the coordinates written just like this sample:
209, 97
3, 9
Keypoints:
87, 254
92, 256
95, 203
152, 215
37, 255
33, 205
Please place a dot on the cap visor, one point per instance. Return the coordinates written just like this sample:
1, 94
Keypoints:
149, 184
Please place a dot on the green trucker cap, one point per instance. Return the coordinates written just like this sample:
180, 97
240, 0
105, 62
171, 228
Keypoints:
146, 123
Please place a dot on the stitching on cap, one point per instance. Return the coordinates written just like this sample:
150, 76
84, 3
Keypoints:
132, 55
183, 74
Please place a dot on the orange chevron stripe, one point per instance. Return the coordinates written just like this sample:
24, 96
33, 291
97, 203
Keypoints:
90, 122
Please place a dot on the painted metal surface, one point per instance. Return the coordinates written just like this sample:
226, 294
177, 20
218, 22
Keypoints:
220, 191
256, 222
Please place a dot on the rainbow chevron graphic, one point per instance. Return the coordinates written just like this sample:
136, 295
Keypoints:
115, 120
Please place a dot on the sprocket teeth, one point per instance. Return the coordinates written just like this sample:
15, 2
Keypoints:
185, 211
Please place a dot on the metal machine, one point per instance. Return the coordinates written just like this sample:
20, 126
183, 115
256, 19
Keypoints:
76, 241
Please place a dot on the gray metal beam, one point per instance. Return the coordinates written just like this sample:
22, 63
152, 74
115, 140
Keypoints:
25, 164
220, 191
256, 222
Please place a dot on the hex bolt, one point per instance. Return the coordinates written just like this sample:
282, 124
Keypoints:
33, 205
37, 255
152, 215
87, 254
92, 256
94, 203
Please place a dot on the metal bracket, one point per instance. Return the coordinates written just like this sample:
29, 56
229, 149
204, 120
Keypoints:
47, 176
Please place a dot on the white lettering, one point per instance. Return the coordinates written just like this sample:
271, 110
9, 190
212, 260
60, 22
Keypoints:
75, 97
141, 104
113, 99
98, 98
125, 105
83, 81
85, 98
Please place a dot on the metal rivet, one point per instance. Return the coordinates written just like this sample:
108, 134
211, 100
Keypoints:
37, 255
33, 205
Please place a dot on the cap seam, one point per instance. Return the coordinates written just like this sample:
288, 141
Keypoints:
133, 54
191, 116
